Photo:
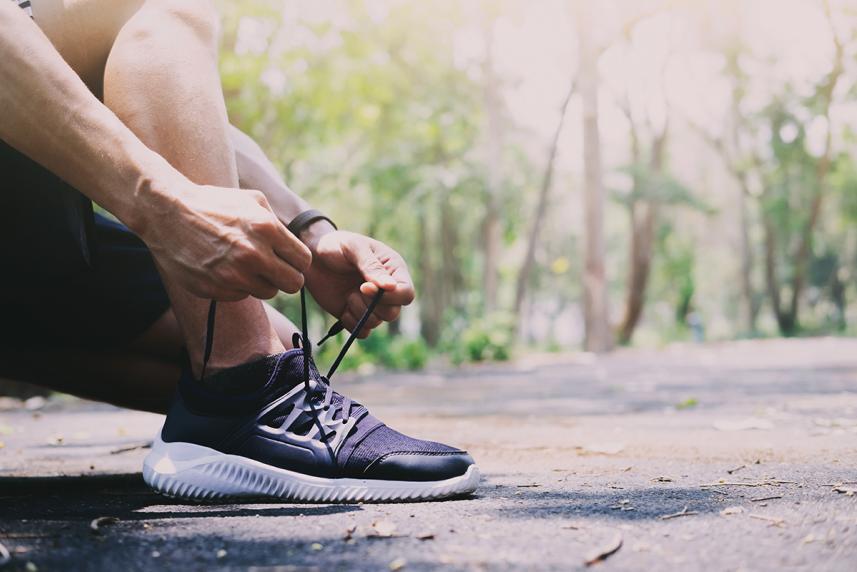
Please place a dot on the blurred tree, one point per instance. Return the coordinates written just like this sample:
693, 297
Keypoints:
541, 207
494, 135
598, 337
796, 177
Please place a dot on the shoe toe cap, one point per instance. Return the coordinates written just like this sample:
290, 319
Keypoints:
419, 466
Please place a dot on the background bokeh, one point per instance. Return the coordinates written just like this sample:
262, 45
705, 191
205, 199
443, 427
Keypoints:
564, 175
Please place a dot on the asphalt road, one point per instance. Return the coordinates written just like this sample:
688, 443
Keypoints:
740, 456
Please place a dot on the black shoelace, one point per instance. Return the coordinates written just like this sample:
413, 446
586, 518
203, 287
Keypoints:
306, 346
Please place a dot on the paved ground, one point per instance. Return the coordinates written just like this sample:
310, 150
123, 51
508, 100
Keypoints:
578, 454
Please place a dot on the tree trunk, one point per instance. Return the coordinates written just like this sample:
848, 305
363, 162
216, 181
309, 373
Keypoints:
452, 278
644, 216
643, 219
541, 208
598, 337
430, 312
785, 321
749, 302
491, 230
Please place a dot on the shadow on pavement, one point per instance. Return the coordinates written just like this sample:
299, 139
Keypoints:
623, 505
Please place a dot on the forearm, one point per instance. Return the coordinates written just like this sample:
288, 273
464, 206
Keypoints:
255, 171
49, 115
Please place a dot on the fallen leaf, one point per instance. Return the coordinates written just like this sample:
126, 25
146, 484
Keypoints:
602, 553
608, 448
34, 403
221, 553
384, 528
743, 424
398, 564
847, 491
425, 536
349, 532
97, 523
316, 546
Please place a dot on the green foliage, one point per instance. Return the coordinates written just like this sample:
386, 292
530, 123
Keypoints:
375, 117
489, 338
657, 187
688, 403
379, 349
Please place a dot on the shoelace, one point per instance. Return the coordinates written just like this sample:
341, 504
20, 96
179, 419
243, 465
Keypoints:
306, 346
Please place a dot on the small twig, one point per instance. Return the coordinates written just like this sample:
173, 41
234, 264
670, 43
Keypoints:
605, 552
146, 445
766, 498
719, 492
683, 512
736, 469
773, 520
767, 483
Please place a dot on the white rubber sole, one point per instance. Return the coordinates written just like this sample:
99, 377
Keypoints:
194, 472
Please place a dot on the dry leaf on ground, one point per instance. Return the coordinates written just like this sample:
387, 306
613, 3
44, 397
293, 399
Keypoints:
383, 528
603, 552
97, 523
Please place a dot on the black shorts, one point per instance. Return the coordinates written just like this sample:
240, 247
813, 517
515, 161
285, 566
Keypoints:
68, 277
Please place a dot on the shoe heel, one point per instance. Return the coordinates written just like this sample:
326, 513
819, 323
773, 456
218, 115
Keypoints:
188, 471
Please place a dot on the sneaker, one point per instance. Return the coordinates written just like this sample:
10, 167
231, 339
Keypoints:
297, 439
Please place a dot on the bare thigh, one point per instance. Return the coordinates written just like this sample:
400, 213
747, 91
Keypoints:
83, 32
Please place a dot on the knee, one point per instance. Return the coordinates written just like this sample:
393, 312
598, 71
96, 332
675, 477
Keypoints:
198, 16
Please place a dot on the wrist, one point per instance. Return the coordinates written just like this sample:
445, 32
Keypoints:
312, 234
157, 186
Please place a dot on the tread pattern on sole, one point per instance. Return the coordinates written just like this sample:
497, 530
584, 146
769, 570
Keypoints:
218, 476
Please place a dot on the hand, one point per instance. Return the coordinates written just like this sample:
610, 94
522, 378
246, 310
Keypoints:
347, 271
223, 244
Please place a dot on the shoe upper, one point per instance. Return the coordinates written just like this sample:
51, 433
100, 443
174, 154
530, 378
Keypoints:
305, 427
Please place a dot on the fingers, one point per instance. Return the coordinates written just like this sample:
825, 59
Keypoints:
402, 293
361, 254
287, 246
282, 275
291, 257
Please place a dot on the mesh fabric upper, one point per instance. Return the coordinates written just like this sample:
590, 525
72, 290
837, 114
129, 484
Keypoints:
384, 440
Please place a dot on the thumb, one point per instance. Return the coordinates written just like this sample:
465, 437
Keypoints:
371, 267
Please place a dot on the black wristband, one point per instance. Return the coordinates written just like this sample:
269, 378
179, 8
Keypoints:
306, 218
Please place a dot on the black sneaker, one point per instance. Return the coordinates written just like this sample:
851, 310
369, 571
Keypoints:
295, 439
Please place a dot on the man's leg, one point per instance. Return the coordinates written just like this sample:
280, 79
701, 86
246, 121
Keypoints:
148, 368
162, 80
